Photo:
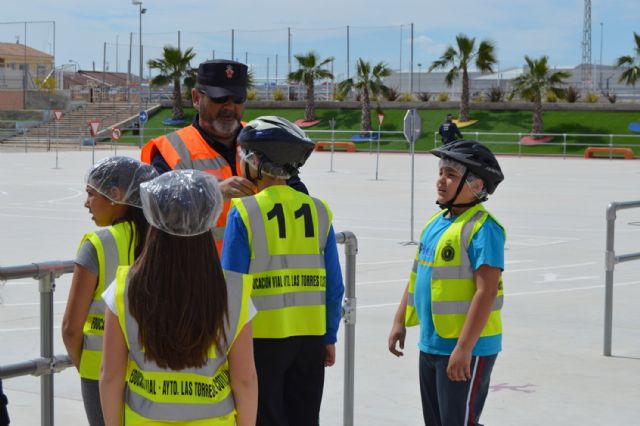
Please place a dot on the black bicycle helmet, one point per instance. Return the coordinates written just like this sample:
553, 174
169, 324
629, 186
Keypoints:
277, 141
478, 159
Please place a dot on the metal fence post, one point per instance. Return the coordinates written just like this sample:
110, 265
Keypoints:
564, 146
47, 286
519, 144
349, 315
609, 262
610, 147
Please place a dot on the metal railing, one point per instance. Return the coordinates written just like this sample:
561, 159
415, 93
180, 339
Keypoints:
610, 260
47, 364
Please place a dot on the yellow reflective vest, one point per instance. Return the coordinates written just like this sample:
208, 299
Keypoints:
452, 281
113, 249
194, 396
287, 232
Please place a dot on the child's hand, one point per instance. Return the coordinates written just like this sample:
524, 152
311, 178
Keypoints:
396, 337
459, 368
329, 355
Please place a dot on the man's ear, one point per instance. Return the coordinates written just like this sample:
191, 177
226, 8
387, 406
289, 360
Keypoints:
195, 98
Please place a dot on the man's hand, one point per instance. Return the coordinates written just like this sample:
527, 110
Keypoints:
459, 368
396, 337
236, 186
329, 355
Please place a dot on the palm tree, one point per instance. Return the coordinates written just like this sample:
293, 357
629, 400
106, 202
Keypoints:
173, 65
631, 71
460, 59
309, 70
537, 80
369, 83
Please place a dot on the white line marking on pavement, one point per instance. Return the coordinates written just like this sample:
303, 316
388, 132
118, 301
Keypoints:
14, 305
553, 278
525, 293
76, 194
13, 330
546, 268
68, 219
404, 280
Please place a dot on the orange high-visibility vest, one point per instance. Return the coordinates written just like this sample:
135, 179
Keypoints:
187, 149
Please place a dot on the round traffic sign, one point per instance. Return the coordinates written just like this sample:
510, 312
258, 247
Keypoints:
116, 133
143, 116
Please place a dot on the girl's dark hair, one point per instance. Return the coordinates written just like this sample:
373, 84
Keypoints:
178, 296
136, 240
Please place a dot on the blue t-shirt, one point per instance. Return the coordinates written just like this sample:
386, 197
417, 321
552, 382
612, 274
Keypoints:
486, 248
236, 256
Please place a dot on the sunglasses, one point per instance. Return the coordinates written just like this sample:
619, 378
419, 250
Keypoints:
225, 99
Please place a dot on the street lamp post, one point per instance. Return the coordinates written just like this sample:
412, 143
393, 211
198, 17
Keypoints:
419, 76
601, 32
141, 12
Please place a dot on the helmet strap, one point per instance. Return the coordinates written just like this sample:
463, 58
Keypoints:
247, 172
451, 203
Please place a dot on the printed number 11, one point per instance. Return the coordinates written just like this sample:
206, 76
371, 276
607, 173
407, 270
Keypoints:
304, 211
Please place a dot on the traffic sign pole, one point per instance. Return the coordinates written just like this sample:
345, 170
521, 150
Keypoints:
412, 130
332, 124
142, 118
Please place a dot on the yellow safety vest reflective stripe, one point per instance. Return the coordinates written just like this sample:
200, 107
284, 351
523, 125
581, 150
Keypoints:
194, 396
112, 249
287, 232
452, 281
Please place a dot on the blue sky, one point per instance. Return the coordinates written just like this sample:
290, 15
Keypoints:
378, 31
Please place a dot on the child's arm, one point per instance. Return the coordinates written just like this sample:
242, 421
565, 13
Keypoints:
244, 379
486, 279
398, 329
113, 371
83, 284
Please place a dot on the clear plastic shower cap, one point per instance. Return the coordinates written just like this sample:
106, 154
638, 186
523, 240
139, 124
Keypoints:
119, 179
182, 202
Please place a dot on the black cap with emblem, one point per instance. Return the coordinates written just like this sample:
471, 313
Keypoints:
221, 77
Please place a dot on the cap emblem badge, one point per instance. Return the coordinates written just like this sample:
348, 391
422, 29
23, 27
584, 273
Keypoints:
229, 71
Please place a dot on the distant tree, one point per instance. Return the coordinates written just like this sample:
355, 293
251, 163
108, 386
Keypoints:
630, 64
173, 66
309, 70
460, 59
535, 83
368, 82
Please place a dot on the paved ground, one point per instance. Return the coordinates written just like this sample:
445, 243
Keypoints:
551, 371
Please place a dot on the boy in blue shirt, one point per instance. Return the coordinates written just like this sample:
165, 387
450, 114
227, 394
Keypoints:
455, 289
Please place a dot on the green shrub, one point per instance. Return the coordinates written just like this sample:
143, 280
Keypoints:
339, 96
551, 97
424, 96
405, 97
443, 97
496, 94
478, 97
592, 97
278, 95
392, 94
572, 94
252, 95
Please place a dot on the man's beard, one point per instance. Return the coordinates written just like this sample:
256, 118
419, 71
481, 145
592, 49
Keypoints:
225, 128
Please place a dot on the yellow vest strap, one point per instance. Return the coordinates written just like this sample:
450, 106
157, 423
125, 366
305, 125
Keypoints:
176, 411
185, 156
461, 307
287, 300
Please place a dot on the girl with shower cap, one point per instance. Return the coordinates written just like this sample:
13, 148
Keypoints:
113, 201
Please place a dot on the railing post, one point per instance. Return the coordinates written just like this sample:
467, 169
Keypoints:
564, 146
519, 144
47, 286
349, 315
610, 147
